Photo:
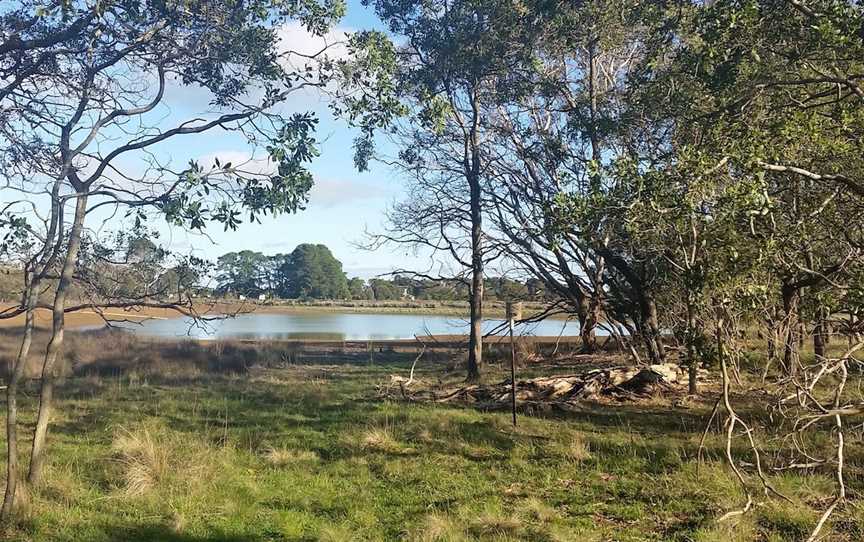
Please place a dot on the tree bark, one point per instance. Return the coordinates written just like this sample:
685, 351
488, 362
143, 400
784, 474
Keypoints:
692, 372
30, 298
46, 394
588, 314
16, 372
651, 330
789, 295
475, 340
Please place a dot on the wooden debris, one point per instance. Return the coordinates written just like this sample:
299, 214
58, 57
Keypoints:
617, 382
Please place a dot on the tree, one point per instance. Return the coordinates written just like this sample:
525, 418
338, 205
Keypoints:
311, 271
558, 143
359, 289
82, 86
385, 290
430, 95
242, 273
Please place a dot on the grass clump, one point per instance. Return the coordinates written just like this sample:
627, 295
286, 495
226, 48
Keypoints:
149, 455
282, 457
143, 457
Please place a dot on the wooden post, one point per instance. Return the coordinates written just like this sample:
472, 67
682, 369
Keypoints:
514, 312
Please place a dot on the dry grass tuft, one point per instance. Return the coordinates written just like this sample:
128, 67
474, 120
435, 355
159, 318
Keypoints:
144, 458
494, 524
576, 450
379, 438
538, 510
64, 487
336, 533
280, 457
438, 528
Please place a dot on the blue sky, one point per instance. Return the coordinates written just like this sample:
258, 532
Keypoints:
343, 205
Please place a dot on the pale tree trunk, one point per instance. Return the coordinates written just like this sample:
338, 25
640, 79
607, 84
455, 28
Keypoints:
820, 333
651, 331
691, 346
790, 328
55, 345
589, 315
30, 298
16, 372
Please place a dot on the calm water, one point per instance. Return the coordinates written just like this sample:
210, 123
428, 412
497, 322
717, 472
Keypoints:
333, 326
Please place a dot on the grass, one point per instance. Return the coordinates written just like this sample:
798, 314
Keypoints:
309, 453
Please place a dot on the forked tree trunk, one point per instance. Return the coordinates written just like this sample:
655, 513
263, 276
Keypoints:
32, 285
55, 345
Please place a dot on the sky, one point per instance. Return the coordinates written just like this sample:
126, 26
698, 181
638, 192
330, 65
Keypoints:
343, 205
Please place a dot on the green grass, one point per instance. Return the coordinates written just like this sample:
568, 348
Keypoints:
312, 453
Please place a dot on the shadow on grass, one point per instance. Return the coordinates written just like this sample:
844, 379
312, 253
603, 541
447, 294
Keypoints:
162, 533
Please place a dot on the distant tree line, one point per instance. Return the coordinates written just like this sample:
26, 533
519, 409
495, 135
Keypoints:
311, 271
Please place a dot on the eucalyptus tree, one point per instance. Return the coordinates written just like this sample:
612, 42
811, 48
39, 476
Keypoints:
780, 85
429, 85
784, 80
84, 124
561, 144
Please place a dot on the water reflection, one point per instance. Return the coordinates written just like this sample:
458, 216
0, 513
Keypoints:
333, 326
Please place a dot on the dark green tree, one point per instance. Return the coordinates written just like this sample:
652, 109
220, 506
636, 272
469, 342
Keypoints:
242, 273
312, 272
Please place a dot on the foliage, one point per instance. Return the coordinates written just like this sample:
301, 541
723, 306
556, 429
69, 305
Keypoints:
311, 271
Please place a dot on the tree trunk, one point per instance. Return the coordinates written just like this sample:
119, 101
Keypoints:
820, 332
475, 341
37, 458
691, 346
588, 316
651, 330
790, 328
30, 299
17, 370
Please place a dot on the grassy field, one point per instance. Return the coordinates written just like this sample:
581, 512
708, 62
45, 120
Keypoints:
179, 450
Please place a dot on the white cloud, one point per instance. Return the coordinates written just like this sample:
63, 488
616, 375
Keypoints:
297, 43
330, 192
325, 192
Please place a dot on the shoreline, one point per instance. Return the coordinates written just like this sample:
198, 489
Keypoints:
88, 318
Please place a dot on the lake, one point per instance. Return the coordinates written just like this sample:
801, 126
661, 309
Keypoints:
333, 326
